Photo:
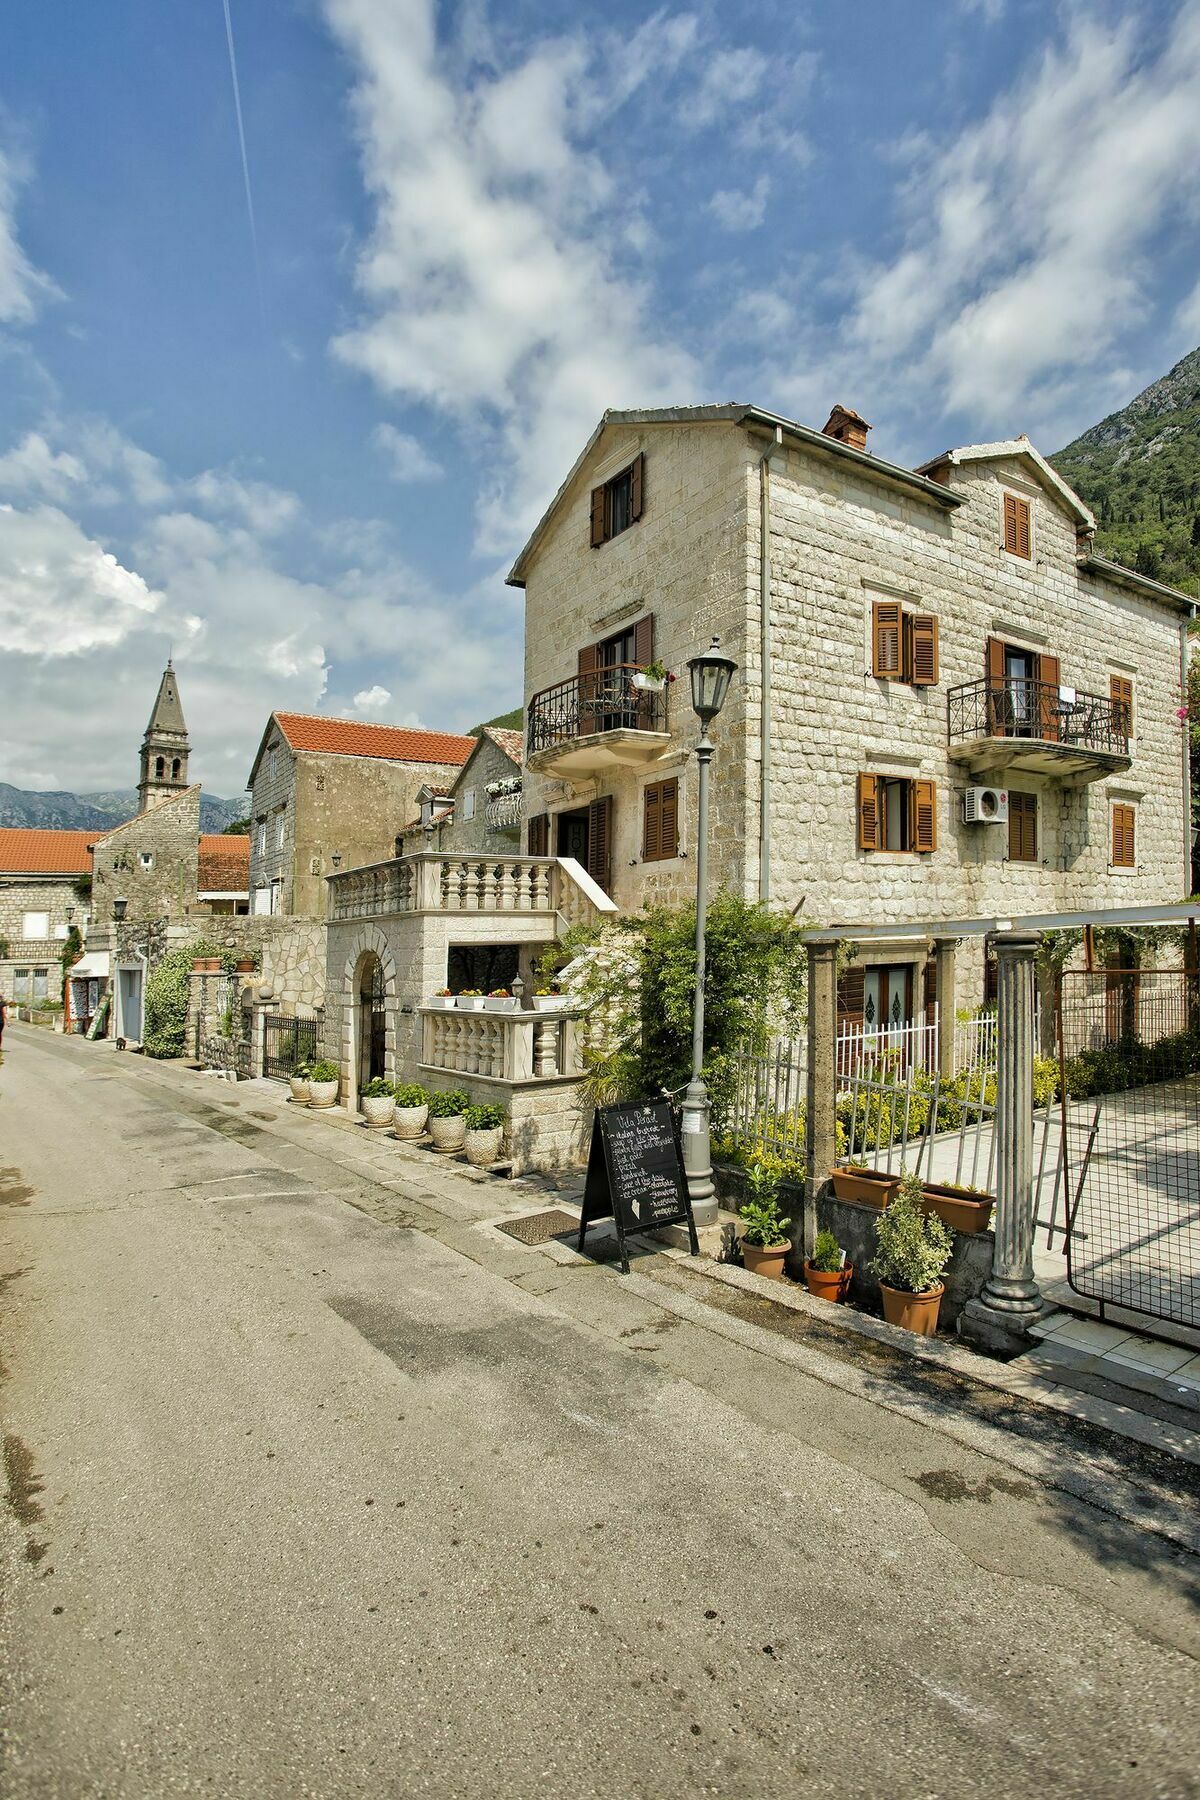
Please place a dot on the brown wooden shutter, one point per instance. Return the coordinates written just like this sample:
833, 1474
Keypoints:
924, 815
1049, 673
599, 516
869, 834
851, 997
924, 650
599, 858
643, 641
1124, 852
1024, 535
539, 834
1120, 692
998, 706
670, 817
1022, 827
637, 485
1016, 526
885, 639
652, 822
588, 670
929, 995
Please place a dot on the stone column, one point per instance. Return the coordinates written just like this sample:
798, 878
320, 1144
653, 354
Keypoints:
821, 1096
947, 1002
1011, 1300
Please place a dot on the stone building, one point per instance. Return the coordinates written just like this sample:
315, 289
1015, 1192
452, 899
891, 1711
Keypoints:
45, 885
163, 767
481, 811
333, 793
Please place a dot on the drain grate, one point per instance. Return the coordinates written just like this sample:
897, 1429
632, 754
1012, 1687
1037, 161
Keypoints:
539, 1228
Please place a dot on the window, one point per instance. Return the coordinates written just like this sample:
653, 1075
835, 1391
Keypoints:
1017, 539
262, 837
279, 824
617, 503
468, 811
1124, 854
39, 983
1022, 827
895, 813
21, 984
539, 835
1024, 696
660, 820
35, 925
146, 859
904, 645
176, 765
160, 767
607, 701
1120, 692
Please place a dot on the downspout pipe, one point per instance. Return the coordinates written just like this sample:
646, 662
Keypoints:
764, 648
1189, 798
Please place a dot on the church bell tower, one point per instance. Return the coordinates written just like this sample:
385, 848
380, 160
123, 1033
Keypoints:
163, 770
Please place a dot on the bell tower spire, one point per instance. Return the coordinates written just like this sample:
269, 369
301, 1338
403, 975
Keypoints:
163, 768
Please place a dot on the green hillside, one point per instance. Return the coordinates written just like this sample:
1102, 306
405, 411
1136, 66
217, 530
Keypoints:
1139, 471
509, 721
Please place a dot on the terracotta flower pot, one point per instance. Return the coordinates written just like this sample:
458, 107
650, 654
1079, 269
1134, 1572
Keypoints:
448, 1135
870, 1187
378, 1112
968, 1213
916, 1312
828, 1284
483, 1147
765, 1259
245, 965
322, 1093
410, 1120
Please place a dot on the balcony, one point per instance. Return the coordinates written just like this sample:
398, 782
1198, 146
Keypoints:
548, 893
596, 722
1036, 726
503, 812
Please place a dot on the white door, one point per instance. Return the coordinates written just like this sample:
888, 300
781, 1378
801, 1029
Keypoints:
129, 1004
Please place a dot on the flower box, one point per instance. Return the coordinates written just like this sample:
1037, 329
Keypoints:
957, 1207
649, 684
470, 1002
870, 1187
444, 1001
549, 1002
494, 1003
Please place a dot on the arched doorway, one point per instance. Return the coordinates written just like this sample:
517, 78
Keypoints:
372, 1020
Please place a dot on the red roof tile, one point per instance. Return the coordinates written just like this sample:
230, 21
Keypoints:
27, 851
511, 742
224, 863
398, 743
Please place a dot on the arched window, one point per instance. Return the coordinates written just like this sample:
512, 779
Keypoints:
175, 770
160, 767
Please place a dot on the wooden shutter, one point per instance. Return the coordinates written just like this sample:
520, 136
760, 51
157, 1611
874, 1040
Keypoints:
1016, 526
1049, 674
643, 641
929, 995
851, 997
670, 817
652, 822
1022, 827
869, 822
637, 487
588, 669
1120, 692
924, 672
1124, 851
599, 515
885, 639
599, 856
998, 706
539, 834
924, 815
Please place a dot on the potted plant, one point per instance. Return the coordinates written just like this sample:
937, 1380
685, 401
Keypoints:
323, 1084
652, 679
870, 1187
964, 1209
470, 999
765, 1242
411, 1109
500, 1000
913, 1249
299, 1083
826, 1272
443, 998
446, 1123
548, 1000
484, 1134
245, 965
378, 1102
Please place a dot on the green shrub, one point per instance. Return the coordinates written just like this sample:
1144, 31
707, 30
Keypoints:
827, 1256
447, 1103
324, 1071
377, 1089
484, 1118
411, 1094
302, 1072
913, 1247
766, 1223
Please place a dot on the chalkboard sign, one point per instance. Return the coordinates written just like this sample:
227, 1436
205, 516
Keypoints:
635, 1173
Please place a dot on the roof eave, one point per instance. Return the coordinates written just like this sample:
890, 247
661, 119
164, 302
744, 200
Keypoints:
1140, 584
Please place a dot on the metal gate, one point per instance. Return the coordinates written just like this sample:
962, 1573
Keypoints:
288, 1043
372, 1022
1129, 1047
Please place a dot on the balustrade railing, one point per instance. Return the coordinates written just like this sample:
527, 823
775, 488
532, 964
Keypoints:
603, 700
503, 813
468, 884
512, 1046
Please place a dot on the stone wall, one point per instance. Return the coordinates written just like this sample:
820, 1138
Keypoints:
463, 836
21, 894
151, 862
273, 820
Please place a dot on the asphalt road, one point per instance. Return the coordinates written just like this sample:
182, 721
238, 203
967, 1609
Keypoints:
318, 1487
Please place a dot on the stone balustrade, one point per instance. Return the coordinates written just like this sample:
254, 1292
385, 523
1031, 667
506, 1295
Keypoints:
553, 886
513, 1047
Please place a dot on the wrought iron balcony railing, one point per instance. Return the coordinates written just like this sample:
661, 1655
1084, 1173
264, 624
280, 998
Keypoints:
1040, 711
605, 700
503, 813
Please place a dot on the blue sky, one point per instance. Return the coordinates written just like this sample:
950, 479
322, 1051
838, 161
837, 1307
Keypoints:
305, 463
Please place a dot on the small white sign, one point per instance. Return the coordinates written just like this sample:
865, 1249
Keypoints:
692, 1124
1067, 695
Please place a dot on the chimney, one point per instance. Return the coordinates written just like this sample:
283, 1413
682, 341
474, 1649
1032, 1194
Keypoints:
847, 427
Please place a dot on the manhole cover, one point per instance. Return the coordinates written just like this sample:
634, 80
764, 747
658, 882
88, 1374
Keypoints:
539, 1228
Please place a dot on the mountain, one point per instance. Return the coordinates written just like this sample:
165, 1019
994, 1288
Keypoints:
98, 812
509, 721
1139, 471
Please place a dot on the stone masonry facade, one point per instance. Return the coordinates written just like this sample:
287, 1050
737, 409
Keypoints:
37, 958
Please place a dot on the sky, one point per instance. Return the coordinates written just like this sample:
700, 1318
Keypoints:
297, 343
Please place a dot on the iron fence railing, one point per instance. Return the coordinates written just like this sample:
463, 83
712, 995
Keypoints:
605, 700
1040, 710
288, 1044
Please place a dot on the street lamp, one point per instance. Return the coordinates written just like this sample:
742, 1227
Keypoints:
710, 675
119, 909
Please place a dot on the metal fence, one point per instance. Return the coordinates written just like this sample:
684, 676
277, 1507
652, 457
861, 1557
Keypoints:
287, 1044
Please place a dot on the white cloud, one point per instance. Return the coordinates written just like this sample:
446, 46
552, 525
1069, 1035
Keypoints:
739, 211
61, 592
264, 508
21, 285
731, 78
1187, 316
371, 699
407, 457
32, 467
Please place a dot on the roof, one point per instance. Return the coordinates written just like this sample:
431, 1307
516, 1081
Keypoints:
168, 711
1022, 449
139, 818
1138, 584
349, 737
511, 742
752, 418
224, 863
25, 850
435, 818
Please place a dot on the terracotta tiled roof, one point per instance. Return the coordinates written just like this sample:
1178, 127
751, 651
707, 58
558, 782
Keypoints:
224, 863
511, 742
398, 743
26, 851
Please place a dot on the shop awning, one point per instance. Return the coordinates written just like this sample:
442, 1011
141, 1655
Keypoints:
93, 965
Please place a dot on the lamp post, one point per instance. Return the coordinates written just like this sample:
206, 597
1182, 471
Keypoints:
710, 676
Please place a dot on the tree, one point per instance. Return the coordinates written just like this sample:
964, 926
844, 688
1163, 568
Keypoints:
239, 828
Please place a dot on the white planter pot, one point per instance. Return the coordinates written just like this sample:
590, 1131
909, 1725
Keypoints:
491, 1005
300, 1091
448, 1134
378, 1112
469, 1002
649, 684
549, 1002
444, 1001
483, 1147
322, 1093
410, 1120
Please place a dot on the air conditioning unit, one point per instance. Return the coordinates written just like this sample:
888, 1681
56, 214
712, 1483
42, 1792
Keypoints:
985, 806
